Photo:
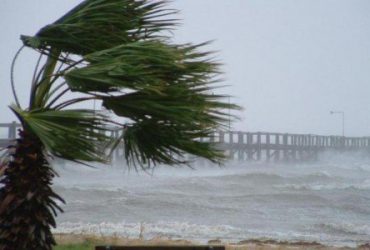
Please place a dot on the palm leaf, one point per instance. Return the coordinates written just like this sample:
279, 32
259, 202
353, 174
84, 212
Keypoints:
151, 142
176, 103
95, 25
149, 65
77, 135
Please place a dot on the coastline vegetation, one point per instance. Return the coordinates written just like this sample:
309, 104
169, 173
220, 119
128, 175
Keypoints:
80, 246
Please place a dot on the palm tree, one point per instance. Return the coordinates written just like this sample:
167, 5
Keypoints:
116, 52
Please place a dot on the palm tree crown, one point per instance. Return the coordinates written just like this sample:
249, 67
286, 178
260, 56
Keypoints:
115, 51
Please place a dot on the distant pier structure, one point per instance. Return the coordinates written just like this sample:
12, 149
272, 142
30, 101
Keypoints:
258, 146
254, 146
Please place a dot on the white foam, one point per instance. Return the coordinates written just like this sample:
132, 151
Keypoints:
173, 230
348, 228
363, 185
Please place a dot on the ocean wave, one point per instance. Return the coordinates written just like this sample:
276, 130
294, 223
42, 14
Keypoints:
274, 177
345, 228
173, 230
365, 185
318, 176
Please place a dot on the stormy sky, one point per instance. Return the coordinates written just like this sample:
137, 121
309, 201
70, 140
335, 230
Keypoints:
288, 63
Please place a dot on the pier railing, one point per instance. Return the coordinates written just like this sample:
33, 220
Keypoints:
255, 145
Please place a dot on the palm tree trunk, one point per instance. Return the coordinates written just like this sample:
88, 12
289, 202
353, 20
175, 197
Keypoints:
27, 202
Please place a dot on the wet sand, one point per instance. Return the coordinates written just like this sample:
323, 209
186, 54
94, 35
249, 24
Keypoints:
242, 245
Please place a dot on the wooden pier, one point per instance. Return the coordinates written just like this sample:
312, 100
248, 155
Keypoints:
256, 146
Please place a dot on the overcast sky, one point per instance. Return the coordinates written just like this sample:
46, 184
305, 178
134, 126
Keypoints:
288, 62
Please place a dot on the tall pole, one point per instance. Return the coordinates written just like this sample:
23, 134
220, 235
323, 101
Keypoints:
341, 113
229, 116
343, 124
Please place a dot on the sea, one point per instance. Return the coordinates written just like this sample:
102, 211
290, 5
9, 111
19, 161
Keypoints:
327, 201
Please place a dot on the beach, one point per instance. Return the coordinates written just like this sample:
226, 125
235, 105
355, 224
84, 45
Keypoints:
242, 245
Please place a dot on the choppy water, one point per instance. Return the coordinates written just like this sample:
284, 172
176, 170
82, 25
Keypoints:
327, 201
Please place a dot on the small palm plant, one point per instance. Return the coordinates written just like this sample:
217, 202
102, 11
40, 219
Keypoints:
115, 52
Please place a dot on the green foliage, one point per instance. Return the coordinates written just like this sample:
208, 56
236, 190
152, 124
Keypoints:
96, 25
151, 142
149, 65
82, 246
76, 135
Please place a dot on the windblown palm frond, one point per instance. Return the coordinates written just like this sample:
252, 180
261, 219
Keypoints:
148, 65
76, 135
176, 121
150, 142
102, 24
174, 104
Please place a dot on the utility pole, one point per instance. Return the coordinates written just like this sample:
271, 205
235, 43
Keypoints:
229, 116
341, 113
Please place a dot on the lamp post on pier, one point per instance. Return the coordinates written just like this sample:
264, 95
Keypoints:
229, 115
341, 113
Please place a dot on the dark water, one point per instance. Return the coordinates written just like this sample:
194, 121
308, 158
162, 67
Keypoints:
328, 201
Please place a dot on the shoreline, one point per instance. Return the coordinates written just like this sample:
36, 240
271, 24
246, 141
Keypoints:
250, 244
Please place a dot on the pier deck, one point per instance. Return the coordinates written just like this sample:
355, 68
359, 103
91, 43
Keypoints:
257, 146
